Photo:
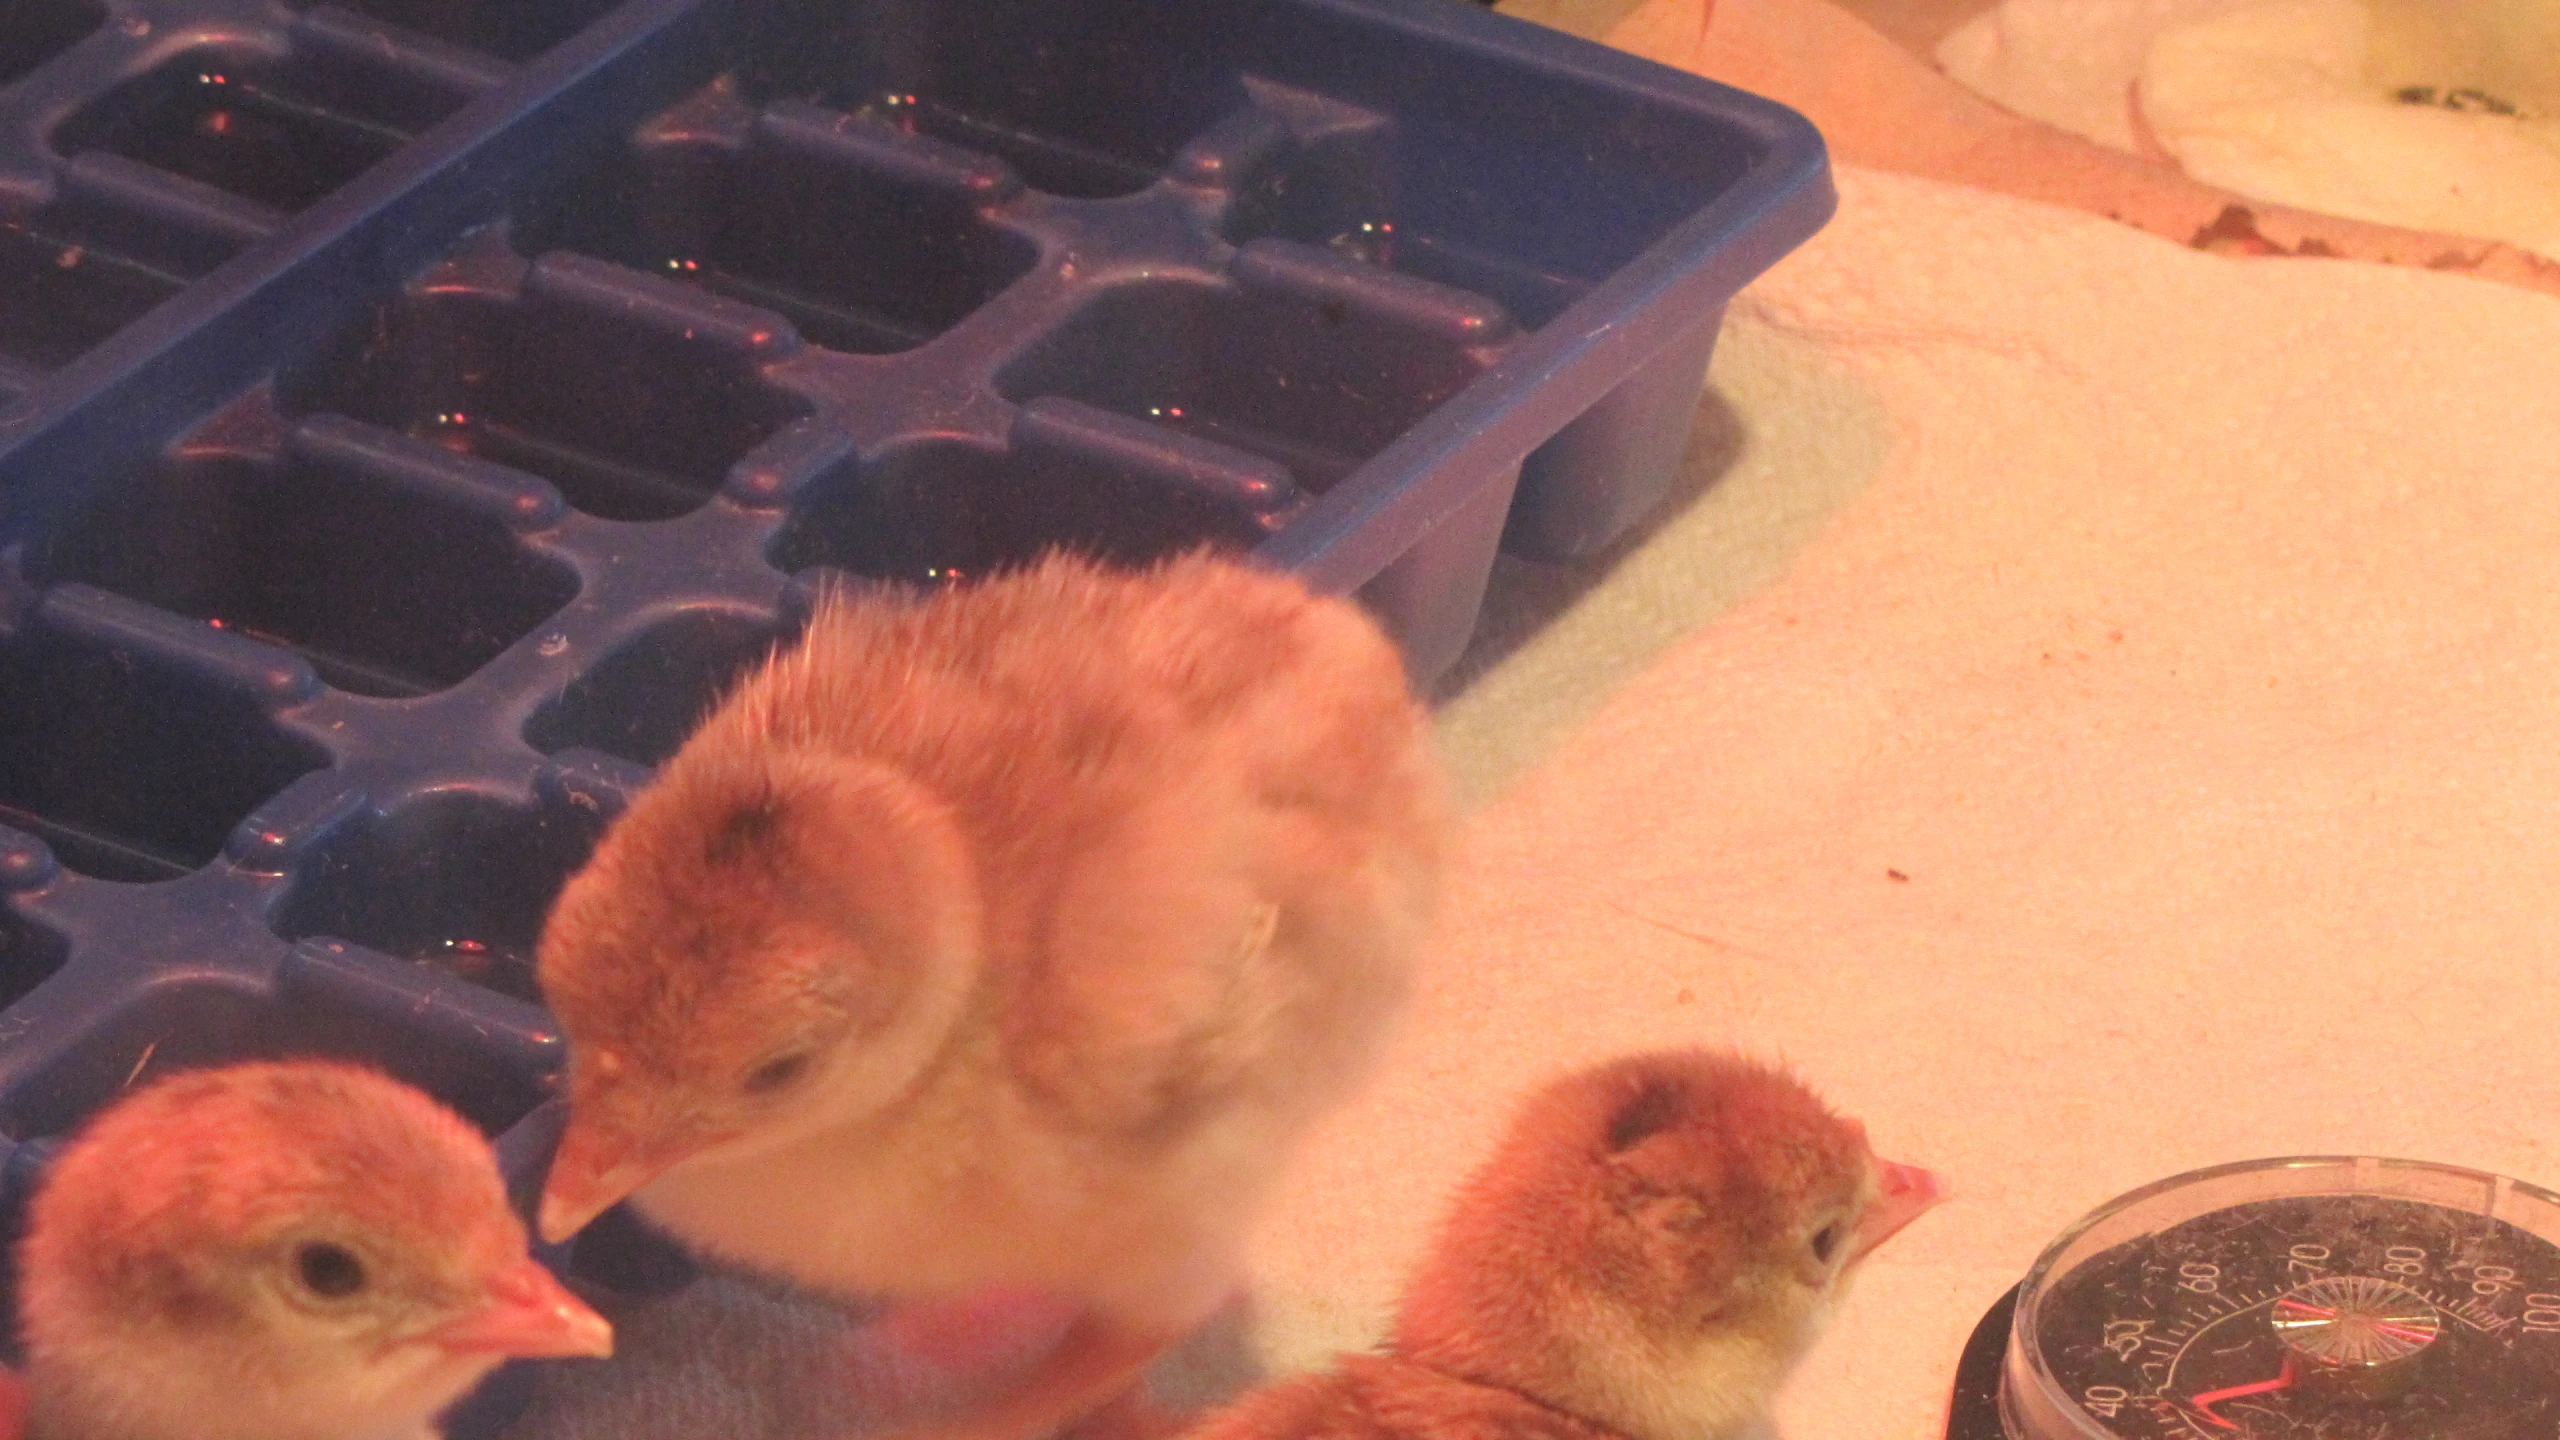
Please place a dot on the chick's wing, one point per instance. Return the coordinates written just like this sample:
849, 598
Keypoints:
1169, 969
1234, 916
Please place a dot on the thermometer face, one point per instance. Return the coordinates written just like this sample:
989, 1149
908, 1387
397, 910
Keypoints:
2296, 1300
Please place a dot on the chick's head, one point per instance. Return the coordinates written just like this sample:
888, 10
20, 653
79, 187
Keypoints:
1656, 1242
323, 1248
772, 941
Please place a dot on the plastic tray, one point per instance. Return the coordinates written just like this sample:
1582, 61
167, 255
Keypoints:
412, 412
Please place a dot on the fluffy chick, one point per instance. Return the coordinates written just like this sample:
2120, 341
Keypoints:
1004, 937
287, 1251
1650, 1250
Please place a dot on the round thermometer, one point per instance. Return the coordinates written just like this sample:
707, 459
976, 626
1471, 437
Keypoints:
2306, 1299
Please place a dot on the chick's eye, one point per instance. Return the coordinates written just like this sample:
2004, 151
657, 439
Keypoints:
776, 1073
330, 1271
1825, 1241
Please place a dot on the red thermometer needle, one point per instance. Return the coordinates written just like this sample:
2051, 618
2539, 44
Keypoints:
2205, 1402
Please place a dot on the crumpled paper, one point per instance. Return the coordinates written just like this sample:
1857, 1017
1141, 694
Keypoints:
1881, 105
2427, 114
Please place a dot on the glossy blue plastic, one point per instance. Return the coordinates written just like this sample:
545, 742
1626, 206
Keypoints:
412, 412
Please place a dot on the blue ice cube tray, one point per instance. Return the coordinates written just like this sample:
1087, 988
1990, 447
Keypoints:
412, 412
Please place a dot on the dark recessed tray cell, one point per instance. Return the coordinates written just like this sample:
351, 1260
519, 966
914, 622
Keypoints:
1088, 101
29, 954
1314, 381
414, 414
319, 1003
34, 31
1407, 193
391, 565
454, 881
280, 132
640, 701
128, 756
60, 295
508, 29
866, 239
939, 511
634, 411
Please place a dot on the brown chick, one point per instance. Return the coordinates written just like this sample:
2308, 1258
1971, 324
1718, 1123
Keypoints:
293, 1251
1650, 1250
1005, 937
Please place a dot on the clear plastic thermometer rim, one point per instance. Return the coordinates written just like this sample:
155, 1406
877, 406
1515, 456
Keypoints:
2033, 1403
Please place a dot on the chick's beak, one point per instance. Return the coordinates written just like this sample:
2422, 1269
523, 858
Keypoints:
596, 1166
527, 1315
1903, 1194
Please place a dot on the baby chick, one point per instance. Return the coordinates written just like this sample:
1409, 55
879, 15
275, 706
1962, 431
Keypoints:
277, 1251
1005, 937
1652, 1247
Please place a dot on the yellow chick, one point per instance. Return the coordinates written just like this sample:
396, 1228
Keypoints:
277, 1251
1005, 937
1652, 1247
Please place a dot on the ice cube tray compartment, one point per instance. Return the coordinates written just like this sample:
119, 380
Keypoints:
316, 1001
279, 130
639, 702
391, 565
130, 756
936, 511
60, 295
633, 403
29, 953
1409, 193
453, 882
1087, 102
415, 414
1293, 363
34, 31
866, 238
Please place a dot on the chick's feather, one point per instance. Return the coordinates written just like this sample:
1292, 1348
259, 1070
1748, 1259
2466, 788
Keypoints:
1086, 890
1652, 1246
277, 1251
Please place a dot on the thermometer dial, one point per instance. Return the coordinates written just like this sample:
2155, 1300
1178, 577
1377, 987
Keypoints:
2305, 1299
